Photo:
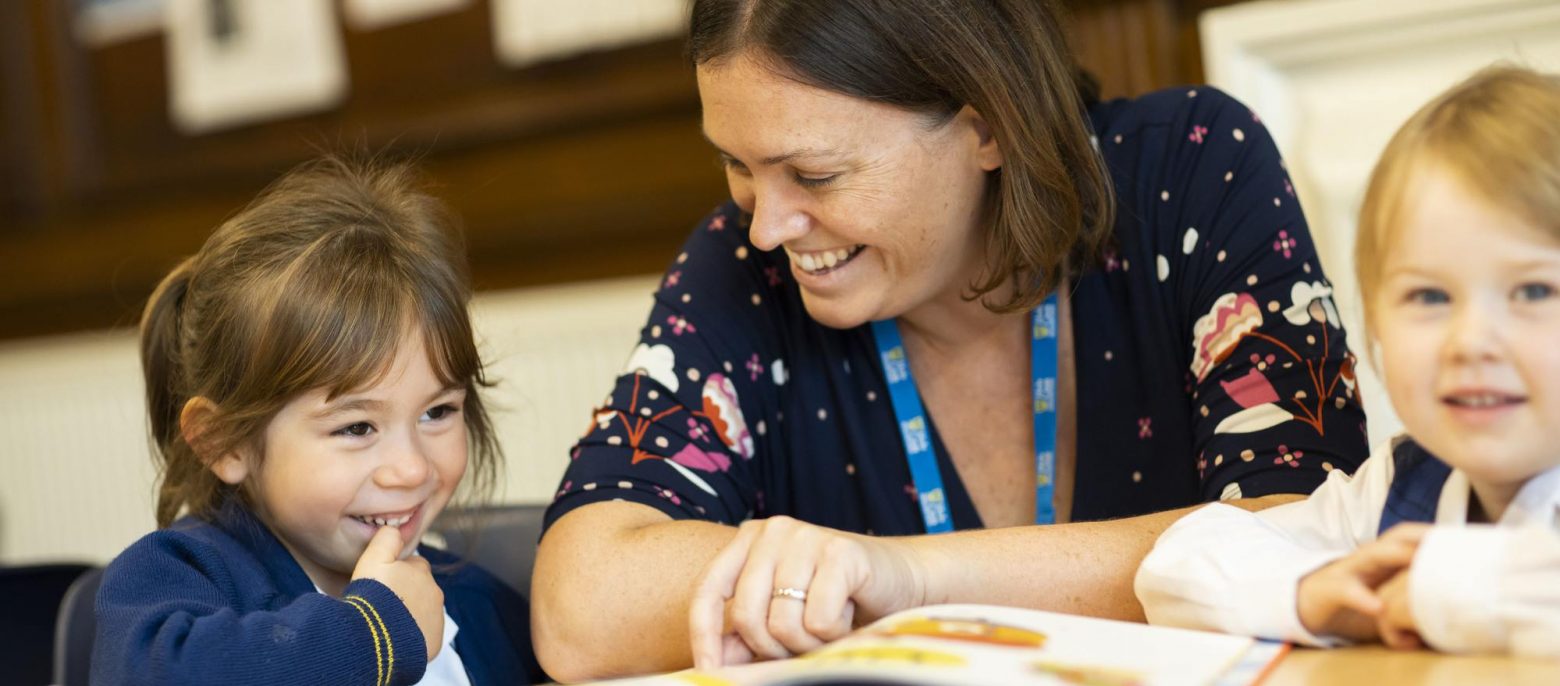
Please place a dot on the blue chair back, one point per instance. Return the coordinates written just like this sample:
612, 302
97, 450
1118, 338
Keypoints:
74, 631
500, 538
30, 596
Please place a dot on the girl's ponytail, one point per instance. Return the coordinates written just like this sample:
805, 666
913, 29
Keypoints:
162, 366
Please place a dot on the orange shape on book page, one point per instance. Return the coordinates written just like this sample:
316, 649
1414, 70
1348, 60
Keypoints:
886, 655
974, 631
697, 679
1086, 675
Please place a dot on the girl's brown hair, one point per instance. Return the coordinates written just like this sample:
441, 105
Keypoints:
313, 285
1498, 133
1052, 202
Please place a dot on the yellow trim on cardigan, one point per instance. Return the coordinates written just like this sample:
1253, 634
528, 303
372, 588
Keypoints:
379, 659
389, 645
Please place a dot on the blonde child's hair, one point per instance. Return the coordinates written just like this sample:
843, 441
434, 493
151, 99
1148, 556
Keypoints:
313, 285
1497, 133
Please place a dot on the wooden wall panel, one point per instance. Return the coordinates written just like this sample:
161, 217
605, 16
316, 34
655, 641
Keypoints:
579, 169
1136, 46
582, 168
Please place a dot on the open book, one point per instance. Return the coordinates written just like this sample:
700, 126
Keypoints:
986, 644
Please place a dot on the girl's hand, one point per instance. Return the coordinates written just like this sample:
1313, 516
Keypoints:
783, 587
1396, 621
411, 579
1340, 599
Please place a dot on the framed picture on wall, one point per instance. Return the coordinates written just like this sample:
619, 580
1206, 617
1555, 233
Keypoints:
102, 22
234, 62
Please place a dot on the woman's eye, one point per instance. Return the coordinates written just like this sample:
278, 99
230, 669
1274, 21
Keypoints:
815, 181
1534, 291
732, 165
357, 430
1428, 296
440, 412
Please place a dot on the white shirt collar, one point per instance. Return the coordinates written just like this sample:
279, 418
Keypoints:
1538, 502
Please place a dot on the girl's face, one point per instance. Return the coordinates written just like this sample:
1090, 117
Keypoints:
335, 471
1468, 319
878, 209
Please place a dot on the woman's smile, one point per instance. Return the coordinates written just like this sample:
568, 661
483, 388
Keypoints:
820, 262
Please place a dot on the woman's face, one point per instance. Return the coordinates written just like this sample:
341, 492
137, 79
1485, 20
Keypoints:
878, 209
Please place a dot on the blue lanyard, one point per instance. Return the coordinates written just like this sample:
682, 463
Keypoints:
918, 441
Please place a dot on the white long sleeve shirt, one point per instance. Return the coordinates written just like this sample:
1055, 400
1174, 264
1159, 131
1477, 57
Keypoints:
1473, 588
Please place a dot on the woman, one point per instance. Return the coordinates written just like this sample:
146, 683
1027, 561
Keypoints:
949, 294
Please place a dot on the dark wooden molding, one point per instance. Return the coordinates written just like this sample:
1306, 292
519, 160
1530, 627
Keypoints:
19, 175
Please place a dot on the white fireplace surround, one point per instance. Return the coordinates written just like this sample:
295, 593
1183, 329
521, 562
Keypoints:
1332, 79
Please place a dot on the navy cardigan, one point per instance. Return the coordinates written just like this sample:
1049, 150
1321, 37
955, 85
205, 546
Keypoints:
222, 601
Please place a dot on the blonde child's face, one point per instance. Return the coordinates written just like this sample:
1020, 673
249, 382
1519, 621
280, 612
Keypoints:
334, 472
1468, 319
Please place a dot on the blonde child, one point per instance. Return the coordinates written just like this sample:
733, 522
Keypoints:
312, 385
1459, 269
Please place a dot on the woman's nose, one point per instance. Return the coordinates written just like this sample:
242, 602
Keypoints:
777, 218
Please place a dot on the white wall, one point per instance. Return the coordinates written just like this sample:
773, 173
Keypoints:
1333, 79
78, 477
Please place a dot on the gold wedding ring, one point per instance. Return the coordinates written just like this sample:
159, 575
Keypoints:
788, 592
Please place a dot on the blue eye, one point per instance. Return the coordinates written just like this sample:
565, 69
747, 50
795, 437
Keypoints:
1534, 291
1428, 296
357, 430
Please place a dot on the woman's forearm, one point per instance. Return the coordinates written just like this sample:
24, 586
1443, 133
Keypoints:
611, 590
1083, 568
614, 581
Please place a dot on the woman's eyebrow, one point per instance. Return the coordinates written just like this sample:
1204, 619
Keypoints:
799, 153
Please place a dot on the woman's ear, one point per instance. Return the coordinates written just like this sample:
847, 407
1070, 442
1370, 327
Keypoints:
987, 152
194, 420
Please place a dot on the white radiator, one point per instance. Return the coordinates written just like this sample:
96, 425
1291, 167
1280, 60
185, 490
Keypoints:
78, 478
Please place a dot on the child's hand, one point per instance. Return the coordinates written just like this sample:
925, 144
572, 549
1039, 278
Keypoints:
411, 579
1340, 599
1396, 621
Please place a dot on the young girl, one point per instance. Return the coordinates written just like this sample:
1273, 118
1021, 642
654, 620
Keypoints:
1459, 268
312, 384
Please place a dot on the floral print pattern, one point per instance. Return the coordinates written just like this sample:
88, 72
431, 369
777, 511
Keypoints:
1217, 333
723, 409
1216, 369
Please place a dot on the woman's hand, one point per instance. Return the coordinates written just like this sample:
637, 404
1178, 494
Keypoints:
1341, 599
783, 587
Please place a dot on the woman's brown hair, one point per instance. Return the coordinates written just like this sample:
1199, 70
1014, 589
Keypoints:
1052, 202
313, 285
1497, 133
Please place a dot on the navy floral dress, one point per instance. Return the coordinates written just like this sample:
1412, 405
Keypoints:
1210, 362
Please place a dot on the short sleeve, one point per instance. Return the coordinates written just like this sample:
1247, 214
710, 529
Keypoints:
1270, 373
673, 433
